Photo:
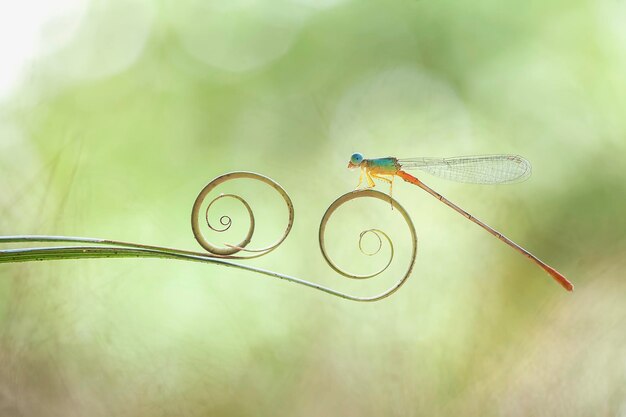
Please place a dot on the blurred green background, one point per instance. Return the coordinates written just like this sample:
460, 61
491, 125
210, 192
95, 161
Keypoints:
114, 114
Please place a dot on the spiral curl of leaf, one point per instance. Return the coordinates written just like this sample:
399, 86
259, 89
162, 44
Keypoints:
85, 248
380, 235
230, 250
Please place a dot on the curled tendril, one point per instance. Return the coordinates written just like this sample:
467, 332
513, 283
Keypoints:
379, 235
84, 247
231, 249
225, 220
376, 233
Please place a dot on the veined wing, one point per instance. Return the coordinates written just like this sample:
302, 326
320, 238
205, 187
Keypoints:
480, 169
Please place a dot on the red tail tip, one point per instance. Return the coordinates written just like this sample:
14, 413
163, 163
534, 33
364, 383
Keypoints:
559, 278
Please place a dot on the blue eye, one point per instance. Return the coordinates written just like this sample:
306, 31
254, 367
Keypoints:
356, 158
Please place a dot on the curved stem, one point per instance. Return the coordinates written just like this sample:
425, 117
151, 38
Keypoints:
94, 252
89, 248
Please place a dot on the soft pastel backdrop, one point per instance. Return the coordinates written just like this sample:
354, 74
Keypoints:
114, 114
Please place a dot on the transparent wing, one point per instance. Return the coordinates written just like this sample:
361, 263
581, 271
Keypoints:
480, 169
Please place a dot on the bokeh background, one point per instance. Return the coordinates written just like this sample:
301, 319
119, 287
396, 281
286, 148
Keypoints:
114, 114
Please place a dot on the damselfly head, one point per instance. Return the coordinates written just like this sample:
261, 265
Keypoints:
355, 160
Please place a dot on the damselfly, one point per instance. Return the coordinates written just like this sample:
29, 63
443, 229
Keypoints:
484, 169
